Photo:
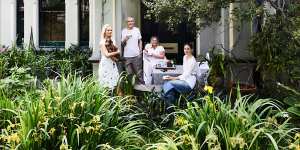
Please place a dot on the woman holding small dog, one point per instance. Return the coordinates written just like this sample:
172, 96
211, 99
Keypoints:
108, 70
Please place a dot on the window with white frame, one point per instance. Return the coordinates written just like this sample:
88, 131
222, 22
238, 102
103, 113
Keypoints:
52, 22
84, 22
20, 22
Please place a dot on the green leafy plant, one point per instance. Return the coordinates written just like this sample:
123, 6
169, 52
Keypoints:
18, 83
152, 105
71, 113
218, 67
196, 14
210, 123
44, 64
276, 49
125, 84
292, 99
77, 113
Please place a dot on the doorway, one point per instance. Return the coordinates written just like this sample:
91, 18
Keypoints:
173, 41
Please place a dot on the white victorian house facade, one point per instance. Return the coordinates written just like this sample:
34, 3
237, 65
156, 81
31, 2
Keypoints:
61, 23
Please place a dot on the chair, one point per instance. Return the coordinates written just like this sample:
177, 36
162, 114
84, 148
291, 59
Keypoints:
201, 81
202, 73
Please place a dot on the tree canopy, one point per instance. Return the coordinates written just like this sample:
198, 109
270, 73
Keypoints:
201, 13
277, 42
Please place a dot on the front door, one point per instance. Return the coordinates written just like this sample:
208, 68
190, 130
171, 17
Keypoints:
173, 41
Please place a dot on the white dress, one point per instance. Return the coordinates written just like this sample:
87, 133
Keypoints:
108, 71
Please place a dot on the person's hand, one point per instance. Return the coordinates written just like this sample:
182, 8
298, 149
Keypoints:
147, 52
167, 78
113, 53
167, 60
128, 37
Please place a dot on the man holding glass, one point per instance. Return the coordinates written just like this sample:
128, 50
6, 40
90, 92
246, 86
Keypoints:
132, 43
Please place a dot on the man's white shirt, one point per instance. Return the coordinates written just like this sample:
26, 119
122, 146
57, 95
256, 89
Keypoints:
131, 48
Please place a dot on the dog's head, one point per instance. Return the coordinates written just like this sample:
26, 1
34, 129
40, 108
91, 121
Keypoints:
108, 42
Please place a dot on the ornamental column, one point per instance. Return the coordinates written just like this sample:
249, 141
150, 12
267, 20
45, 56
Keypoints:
232, 26
8, 22
13, 21
95, 31
72, 23
31, 21
131, 8
225, 28
198, 42
95, 27
0, 23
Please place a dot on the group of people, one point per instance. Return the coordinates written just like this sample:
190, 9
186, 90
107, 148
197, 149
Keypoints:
141, 62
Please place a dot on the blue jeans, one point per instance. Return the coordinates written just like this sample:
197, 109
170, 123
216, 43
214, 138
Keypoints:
171, 91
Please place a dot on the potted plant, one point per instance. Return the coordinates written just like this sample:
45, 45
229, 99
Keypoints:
217, 66
246, 86
222, 77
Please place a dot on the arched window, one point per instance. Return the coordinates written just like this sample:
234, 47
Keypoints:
84, 22
52, 23
20, 22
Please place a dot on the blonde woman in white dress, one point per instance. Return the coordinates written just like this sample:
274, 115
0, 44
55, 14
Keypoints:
108, 71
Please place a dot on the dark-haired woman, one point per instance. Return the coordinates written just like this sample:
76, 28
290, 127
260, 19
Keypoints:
181, 84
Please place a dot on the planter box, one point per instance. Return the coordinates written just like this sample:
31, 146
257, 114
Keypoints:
245, 88
242, 73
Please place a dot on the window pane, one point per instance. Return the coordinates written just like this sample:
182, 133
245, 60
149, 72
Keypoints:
84, 22
52, 22
20, 22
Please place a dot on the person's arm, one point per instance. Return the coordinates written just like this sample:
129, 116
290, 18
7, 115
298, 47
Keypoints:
140, 40
161, 55
174, 78
124, 38
116, 46
147, 47
140, 44
105, 52
114, 53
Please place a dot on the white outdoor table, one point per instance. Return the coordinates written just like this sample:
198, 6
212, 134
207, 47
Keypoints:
157, 75
157, 79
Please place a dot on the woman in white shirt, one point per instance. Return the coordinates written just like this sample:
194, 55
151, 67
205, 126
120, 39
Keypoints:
153, 54
181, 84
